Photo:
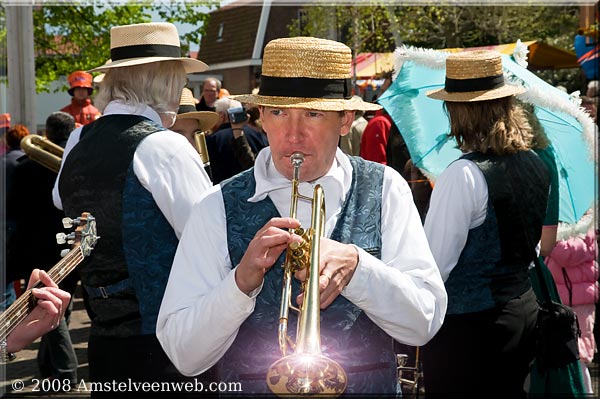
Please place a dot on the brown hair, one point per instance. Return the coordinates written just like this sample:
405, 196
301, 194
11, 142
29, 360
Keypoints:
254, 119
15, 134
497, 126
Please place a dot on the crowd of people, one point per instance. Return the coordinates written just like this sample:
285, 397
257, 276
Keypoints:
192, 203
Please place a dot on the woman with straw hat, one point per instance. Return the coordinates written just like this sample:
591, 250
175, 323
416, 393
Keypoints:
224, 309
192, 124
484, 221
139, 179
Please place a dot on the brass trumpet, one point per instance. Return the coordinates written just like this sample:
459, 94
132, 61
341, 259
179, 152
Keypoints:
306, 371
200, 145
42, 151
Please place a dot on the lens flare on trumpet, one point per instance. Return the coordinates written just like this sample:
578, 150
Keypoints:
306, 375
307, 371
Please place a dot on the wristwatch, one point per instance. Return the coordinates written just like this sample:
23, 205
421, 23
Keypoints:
5, 355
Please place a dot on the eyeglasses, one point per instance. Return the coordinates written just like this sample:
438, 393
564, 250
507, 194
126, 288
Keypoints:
209, 91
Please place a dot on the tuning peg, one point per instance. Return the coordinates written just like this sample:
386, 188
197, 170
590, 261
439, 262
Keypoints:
67, 223
62, 238
64, 252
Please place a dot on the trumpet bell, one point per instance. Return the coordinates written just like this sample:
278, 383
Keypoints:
304, 374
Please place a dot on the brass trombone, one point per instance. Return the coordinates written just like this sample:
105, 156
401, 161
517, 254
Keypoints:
306, 371
42, 151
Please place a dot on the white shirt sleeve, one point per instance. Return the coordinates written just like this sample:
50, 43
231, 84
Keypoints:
202, 308
458, 204
403, 293
167, 165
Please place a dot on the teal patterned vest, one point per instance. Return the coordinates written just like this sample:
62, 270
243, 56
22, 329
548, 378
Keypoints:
347, 334
493, 266
137, 244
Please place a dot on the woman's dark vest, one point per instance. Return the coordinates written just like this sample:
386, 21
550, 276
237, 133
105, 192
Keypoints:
126, 274
347, 334
493, 265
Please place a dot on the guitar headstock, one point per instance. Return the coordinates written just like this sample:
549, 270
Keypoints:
85, 234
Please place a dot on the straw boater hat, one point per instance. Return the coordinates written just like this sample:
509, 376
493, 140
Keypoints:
145, 43
306, 72
187, 110
474, 76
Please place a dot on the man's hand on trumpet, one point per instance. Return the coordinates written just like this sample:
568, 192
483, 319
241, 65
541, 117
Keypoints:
263, 251
337, 265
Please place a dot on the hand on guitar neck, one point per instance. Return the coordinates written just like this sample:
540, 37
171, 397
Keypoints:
50, 306
43, 304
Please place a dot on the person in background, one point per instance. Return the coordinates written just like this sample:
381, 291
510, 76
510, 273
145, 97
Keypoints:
8, 163
574, 268
189, 121
484, 221
140, 180
590, 100
210, 93
568, 379
224, 93
81, 108
49, 309
233, 147
350, 143
13, 138
374, 251
4, 126
375, 137
32, 189
254, 121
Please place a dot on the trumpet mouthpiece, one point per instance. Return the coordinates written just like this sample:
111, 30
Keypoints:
297, 158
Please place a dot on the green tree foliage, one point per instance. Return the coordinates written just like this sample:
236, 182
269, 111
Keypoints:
378, 28
363, 28
77, 37
471, 26
438, 26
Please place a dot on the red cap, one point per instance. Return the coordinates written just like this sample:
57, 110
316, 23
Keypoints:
80, 79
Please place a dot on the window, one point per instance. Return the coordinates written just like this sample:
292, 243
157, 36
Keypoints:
220, 31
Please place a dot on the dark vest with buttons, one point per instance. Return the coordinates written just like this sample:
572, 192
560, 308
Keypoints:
493, 266
347, 334
133, 256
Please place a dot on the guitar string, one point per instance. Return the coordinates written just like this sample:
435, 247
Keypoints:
15, 315
18, 311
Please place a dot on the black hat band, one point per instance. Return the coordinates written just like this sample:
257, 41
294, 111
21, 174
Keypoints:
305, 87
144, 50
183, 109
475, 84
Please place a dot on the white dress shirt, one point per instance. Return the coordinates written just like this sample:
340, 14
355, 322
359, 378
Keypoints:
458, 204
165, 164
203, 307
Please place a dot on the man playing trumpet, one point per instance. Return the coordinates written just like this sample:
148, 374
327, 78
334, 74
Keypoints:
224, 292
